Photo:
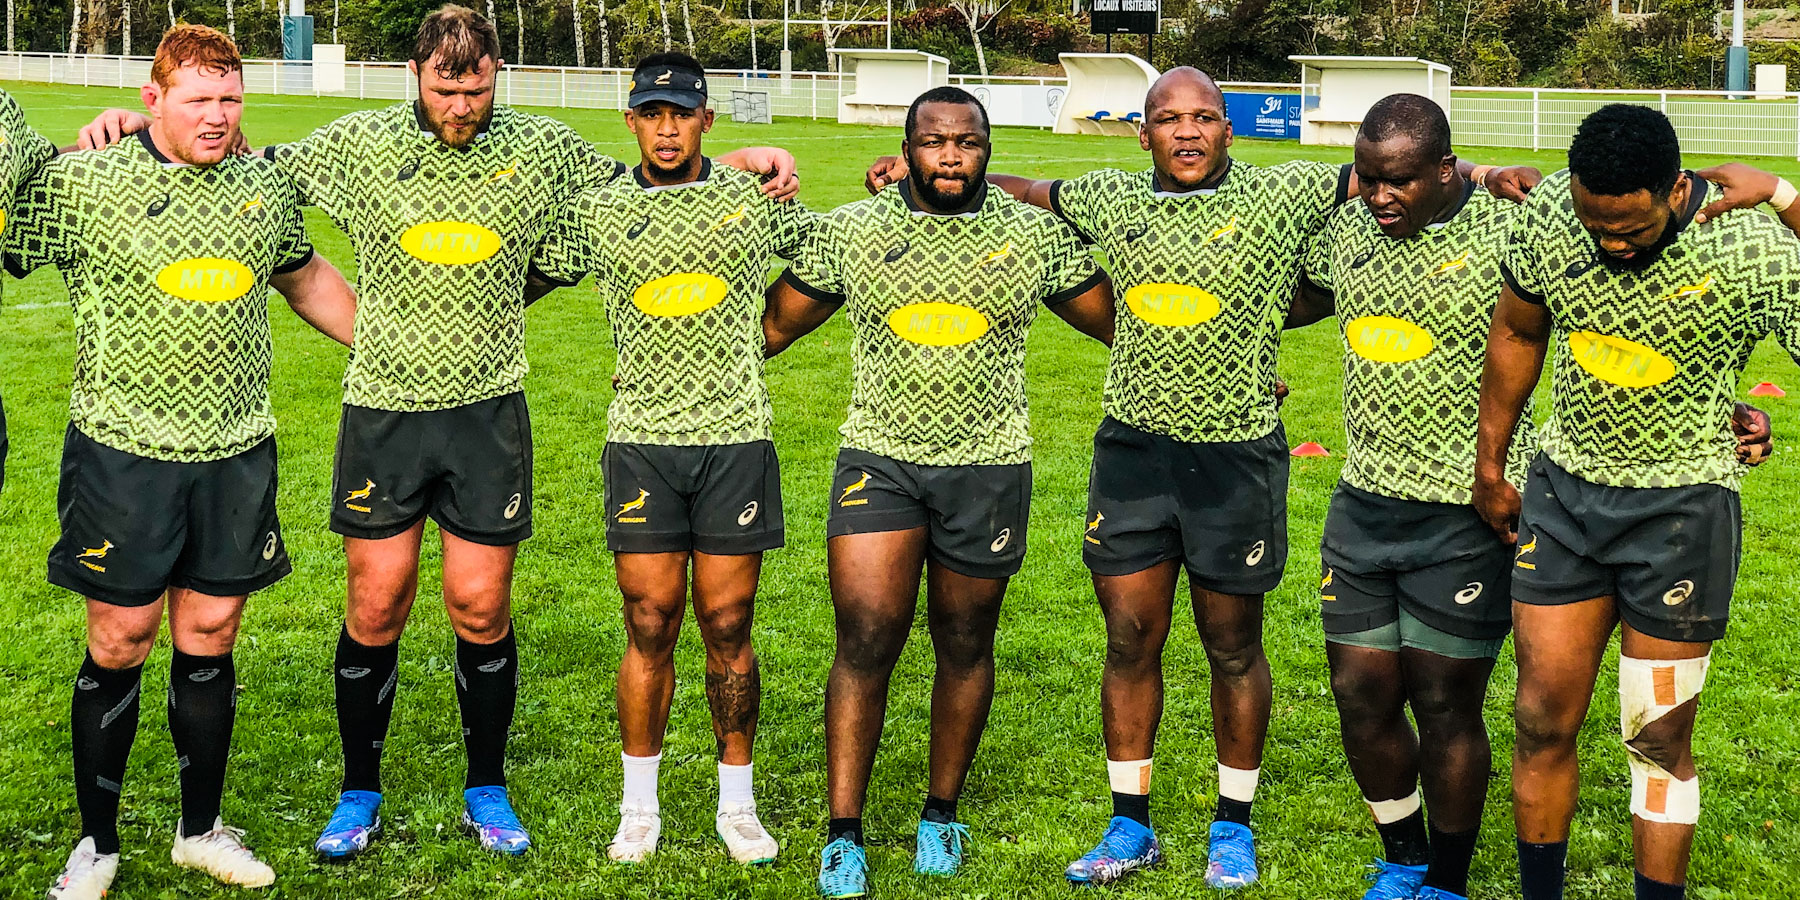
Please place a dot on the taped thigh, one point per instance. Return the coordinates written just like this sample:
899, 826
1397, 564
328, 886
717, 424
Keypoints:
1648, 690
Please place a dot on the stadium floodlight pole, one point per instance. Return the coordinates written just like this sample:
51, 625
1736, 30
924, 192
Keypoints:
1737, 56
890, 23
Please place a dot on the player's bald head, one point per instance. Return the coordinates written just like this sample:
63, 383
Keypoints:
1183, 83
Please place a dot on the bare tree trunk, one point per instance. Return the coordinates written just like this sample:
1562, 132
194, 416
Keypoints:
231, 19
171, 13
580, 44
519, 10
74, 27
93, 26
9, 26
980, 54
124, 27
336, 7
605, 37
668, 41
687, 22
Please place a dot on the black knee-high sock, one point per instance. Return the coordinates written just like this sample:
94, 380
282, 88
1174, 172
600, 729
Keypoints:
1451, 854
487, 688
1541, 870
103, 721
202, 709
1404, 842
366, 678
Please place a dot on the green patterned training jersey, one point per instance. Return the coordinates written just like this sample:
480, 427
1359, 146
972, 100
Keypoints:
22, 151
682, 269
443, 238
1206, 278
168, 271
940, 307
1646, 361
1413, 314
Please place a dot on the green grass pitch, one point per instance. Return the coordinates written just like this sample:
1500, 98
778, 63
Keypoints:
1037, 797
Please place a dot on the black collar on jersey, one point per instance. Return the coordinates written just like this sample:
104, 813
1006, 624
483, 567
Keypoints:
706, 167
1696, 199
150, 147
1201, 191
970, 210
1453, 210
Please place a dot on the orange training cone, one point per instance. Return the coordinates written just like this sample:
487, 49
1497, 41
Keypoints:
1767, 389
1309, 449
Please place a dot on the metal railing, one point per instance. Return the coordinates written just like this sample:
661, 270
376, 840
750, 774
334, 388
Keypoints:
1546, 118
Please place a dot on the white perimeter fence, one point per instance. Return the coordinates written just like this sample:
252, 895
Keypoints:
1524, 118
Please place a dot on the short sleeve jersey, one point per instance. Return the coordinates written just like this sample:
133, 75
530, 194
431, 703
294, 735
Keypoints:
22, 151
1206, 278
443, 238
682, 270
940, 307
1647, 360
168, 272
1413, 314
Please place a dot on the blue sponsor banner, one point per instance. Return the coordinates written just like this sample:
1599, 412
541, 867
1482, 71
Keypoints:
1264, 115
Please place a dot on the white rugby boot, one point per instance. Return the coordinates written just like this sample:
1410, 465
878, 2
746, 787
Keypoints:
745, 838
86, 876
636, 838
221, 853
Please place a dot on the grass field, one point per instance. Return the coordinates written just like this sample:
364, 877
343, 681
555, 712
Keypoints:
1037, 797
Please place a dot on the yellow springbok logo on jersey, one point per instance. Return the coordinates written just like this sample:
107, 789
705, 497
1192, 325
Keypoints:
450, 243
99, 552
1461, 262
1691, 291
1171, 305
731, 218
249, 206
680, 294
206, 279
859, 484
511, 171
631, 506
996, 256
1519, 558
1223, 231
1093, 527
1387, 339
361, 493
1616, 360
938, 324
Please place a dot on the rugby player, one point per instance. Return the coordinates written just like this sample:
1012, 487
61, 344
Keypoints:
1630, 516
941, 278
682, 252
1414, 586
22, 151
169, 244
444, 199
1190, 464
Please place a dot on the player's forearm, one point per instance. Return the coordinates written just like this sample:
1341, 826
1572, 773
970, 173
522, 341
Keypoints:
1515, 360
319, 295
1311, 304
1034, 191
789, 315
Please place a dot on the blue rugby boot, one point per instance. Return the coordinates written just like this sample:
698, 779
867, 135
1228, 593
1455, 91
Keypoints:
353, 824
1436, 893
1231, 860
1394, 881
488, 812
843, 870
938, 847
1127, 846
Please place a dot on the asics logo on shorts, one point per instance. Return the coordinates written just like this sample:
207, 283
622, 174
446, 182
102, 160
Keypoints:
748, 515
1678, 594
512, 505
361, 493
354, 672
1256, 553
269, 547
631, 506
1519, 558
1001, 541
1468, 594
1092, 527
859, 484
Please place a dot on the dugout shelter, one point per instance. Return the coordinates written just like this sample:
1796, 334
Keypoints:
1337, 91
1106, 93
887, 82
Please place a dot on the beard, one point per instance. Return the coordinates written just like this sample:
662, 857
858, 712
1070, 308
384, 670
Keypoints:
1646, 257
927, 192
457, 141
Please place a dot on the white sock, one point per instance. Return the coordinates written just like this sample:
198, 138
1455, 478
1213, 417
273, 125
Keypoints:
1129, 776
1238, 784
640, 781
1387, 812
734, 786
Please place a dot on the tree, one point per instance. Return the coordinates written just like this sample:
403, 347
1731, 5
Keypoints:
124, 27
580, 47
979, 14
605, 37
687, 22
519, 13
668, 42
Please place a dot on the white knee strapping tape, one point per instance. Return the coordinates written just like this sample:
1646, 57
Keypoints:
1648, 690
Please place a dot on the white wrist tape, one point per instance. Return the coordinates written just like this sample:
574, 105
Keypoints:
1648, 690
1785, 195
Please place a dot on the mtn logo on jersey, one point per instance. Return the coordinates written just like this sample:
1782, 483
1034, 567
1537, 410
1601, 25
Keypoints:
1692, 291
731, 218
94, 553
996, 256
938, 324
1386, 339
1171, 305
1616, 360
631, 506
206, 280
1519, 557
859, 484
1093, 527
681, 294
1222, 232
1452, 265
450, 243
361, 493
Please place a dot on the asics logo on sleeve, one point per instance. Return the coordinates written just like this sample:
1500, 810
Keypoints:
748, 515
1468, 594
631, 506
1678, 594
898, 250
859, 484
1461, 262
1580, 266
1001, 540
637, 228
157, 206
1362, 259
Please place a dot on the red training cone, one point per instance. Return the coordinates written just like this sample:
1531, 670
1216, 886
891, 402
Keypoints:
1309, 449
1767, 389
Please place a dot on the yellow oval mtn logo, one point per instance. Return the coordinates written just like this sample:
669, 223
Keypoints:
1618, 361
938, 324
1387, 339
450, 243
208, 280
681, 294
1173, 305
